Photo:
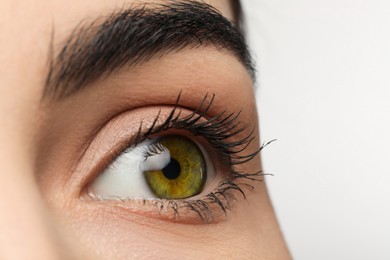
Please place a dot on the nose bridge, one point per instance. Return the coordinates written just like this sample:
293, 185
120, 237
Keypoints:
25, 229
24, 233
24, 224
28, 228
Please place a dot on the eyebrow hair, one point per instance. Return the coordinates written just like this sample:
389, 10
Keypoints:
135, 35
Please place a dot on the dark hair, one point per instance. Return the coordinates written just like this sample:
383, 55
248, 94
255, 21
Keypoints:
237, 9
238, 15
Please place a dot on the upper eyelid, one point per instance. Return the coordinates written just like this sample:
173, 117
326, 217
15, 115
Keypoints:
226, 125
123, 121
90, 136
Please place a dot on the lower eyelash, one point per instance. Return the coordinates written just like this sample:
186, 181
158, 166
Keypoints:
223, 197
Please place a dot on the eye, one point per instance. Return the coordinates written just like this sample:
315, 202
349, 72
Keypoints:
184, 164
166, 167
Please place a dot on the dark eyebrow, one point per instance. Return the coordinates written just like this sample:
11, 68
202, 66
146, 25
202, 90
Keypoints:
131, 36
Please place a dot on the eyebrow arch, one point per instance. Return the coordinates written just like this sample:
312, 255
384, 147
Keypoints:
129, 37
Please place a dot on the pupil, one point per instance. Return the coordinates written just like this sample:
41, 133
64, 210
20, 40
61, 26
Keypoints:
172, 170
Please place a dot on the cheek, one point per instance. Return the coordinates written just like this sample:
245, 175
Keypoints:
114, 237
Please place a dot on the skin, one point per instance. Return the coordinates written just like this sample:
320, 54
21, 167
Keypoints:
45, 212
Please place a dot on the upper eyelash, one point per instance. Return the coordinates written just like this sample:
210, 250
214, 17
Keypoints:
216, 130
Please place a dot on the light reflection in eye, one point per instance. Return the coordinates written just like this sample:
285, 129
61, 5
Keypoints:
168, 167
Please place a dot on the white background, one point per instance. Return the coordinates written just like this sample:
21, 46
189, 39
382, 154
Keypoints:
324, 93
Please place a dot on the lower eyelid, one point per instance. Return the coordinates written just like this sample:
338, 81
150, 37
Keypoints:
189, 211
145, 211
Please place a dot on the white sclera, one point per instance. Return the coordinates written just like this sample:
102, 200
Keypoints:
124, 178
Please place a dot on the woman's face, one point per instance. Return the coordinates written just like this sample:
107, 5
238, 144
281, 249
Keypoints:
129, 131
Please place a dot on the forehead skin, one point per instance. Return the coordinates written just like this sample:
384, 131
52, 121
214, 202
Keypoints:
38, 219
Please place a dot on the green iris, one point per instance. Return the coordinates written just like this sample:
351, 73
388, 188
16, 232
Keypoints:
184, 176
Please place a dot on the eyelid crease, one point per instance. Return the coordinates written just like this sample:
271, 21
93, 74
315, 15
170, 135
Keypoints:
89, 137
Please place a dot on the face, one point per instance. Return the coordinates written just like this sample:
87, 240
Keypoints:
129, 131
